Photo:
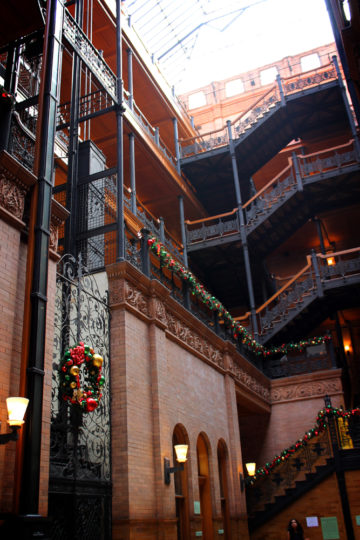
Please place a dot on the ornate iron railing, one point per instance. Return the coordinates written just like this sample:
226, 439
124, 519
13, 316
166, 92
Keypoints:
89, 55
284, 476
213, 227
270, 101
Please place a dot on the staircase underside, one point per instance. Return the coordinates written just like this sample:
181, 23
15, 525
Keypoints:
312, 113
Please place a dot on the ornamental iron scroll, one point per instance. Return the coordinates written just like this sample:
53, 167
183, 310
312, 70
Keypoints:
80, 459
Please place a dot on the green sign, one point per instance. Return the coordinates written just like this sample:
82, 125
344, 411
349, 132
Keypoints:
330, 529
197, 507
357, 520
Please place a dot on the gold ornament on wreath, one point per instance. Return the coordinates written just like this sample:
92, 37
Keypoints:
81, 361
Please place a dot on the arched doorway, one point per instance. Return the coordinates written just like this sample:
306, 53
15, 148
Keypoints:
204, 487
181, 488
222, 454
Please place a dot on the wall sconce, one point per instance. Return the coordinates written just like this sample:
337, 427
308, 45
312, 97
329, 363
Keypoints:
16, 407
251, 468
347, 348
330, 261
181, 457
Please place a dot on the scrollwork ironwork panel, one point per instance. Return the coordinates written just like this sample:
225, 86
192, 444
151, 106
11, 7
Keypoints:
80, 443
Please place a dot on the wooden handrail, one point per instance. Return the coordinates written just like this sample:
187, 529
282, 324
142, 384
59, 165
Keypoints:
266, 187
218, 216
332, 149
337, 253
203, 135
306, 73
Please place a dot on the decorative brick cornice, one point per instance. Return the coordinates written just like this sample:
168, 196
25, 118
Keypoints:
151, 301
312, 385
15, 182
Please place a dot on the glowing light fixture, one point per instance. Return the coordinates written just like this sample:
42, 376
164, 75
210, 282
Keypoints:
251, 468
181, 456
330, 261
16, 407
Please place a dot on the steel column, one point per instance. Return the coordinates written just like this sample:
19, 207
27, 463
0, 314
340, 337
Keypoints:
72, 177
120, 229
130, 78
243, 232
183, 233
29, 503
177, 150
132, 172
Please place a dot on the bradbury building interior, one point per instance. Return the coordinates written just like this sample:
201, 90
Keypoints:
179, 285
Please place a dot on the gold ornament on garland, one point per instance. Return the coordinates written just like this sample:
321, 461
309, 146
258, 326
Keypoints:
88, 397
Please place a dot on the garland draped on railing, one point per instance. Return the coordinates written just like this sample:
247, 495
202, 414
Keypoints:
238, 331
319, 427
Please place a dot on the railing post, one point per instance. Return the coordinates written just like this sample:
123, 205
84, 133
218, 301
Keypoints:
177, 149
192, 122
347, 107
162, 230
145, 255
132, 173
331, 352
157, 136
317, 273
130, 78
243, 232
281, 90
297, 172
183, 233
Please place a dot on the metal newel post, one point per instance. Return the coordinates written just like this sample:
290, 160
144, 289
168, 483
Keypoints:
132, 173
281, 90
297, 172
130, 78
162, 230
243, 233
157, 136
317, 273
183, 232
120, 229
145, 255
177, 149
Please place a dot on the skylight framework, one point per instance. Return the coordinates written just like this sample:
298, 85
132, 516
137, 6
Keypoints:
171, 29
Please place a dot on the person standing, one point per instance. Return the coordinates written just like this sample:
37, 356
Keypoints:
295, 531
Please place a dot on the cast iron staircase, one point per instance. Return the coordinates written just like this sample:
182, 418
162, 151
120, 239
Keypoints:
322, 277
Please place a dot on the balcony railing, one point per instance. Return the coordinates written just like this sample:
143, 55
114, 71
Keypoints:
252, 117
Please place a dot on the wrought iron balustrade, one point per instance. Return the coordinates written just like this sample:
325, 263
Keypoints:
270, 198
328, 160
213, 227
309, 79
22, 142
90, 104
303, 461
204, 142
89, 55
256, 112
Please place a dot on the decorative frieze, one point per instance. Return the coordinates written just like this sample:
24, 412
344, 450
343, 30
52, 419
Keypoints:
306, 390
12, 194
244, 378
187, 335
135, 298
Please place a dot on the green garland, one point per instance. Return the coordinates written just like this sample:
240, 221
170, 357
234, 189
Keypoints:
239, 332
319, 427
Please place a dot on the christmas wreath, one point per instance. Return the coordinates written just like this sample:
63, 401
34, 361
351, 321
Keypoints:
88, 396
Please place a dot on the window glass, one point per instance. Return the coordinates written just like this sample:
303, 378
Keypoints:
197, 100
311, 61
232, 88
267, 76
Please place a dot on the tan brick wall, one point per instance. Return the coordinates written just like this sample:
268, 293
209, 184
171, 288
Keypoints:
160, 381
12, 276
